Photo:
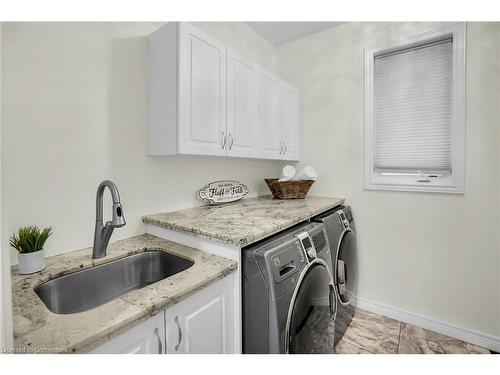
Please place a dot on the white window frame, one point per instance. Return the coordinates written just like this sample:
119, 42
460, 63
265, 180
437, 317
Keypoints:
453, 183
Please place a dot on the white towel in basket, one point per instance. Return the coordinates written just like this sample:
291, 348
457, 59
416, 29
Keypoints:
287, 173
308, 173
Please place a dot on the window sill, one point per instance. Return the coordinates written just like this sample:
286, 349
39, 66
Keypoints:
431, 187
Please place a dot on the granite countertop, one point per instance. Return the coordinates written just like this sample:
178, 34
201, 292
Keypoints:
244, 222
36, 329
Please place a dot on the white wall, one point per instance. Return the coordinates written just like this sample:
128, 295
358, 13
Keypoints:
5, 295
75, 114
431, 254
3, 254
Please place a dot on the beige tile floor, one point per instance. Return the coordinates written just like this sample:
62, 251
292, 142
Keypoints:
377, 334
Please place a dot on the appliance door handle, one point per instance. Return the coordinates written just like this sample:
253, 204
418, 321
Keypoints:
331, 295
179, 340
160, 344
341, 271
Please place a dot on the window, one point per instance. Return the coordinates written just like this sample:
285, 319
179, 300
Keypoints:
415, 112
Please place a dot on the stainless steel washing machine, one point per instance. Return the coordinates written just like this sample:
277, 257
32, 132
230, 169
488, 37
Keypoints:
341, 231
288, 292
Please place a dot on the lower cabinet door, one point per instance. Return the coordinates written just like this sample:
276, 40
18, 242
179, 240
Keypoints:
147, 337
203, 323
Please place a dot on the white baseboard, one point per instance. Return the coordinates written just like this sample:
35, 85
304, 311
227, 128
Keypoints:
474, 337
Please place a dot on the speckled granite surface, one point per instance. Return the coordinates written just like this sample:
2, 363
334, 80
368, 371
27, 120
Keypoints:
243, 222
36, 329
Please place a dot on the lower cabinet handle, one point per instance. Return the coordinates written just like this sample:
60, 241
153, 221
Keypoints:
223, 140
160, 344
286, 148
180, 333
231, 141
281, 148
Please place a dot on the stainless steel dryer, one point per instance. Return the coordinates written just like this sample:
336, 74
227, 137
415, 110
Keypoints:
288, 295
339, 225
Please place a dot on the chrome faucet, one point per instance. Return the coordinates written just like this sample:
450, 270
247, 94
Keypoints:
102, 232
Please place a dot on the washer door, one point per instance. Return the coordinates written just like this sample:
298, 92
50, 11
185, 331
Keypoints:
346, 267
311, 329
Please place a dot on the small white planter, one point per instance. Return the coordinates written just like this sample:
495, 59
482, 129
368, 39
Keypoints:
31, 262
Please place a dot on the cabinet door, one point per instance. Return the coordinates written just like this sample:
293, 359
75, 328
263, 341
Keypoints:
241, 106
291, 122
202, 93
270, 115
203, 323
145, 338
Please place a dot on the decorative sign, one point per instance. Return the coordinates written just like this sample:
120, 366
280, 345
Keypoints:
223, 191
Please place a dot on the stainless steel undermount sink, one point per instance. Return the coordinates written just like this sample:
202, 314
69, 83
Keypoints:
92, 287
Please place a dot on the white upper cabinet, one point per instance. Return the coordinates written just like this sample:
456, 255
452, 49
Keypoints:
186, 92
242, 132
202, 88
278, 118
206, 99
291, 121
270, 116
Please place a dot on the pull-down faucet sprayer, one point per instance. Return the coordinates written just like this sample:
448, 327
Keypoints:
102, 232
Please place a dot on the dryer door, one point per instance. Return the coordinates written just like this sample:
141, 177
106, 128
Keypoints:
311, 329
346, 267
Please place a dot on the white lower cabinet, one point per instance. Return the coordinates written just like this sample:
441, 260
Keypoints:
202, 323
147, 337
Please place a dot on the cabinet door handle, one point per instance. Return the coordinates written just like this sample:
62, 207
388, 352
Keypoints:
281, 148
160, 344
231, 141
179, 333
286, 148
223, 140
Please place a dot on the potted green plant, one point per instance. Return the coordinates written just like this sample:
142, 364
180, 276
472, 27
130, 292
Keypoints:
29, 241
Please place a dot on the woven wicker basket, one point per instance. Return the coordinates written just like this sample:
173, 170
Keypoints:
289, 189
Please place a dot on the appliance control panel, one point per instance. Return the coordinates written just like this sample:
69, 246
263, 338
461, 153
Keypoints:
343, 219
307, 245
287, 261
283, 258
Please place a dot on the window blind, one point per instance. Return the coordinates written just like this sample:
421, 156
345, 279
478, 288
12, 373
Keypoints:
413, 108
